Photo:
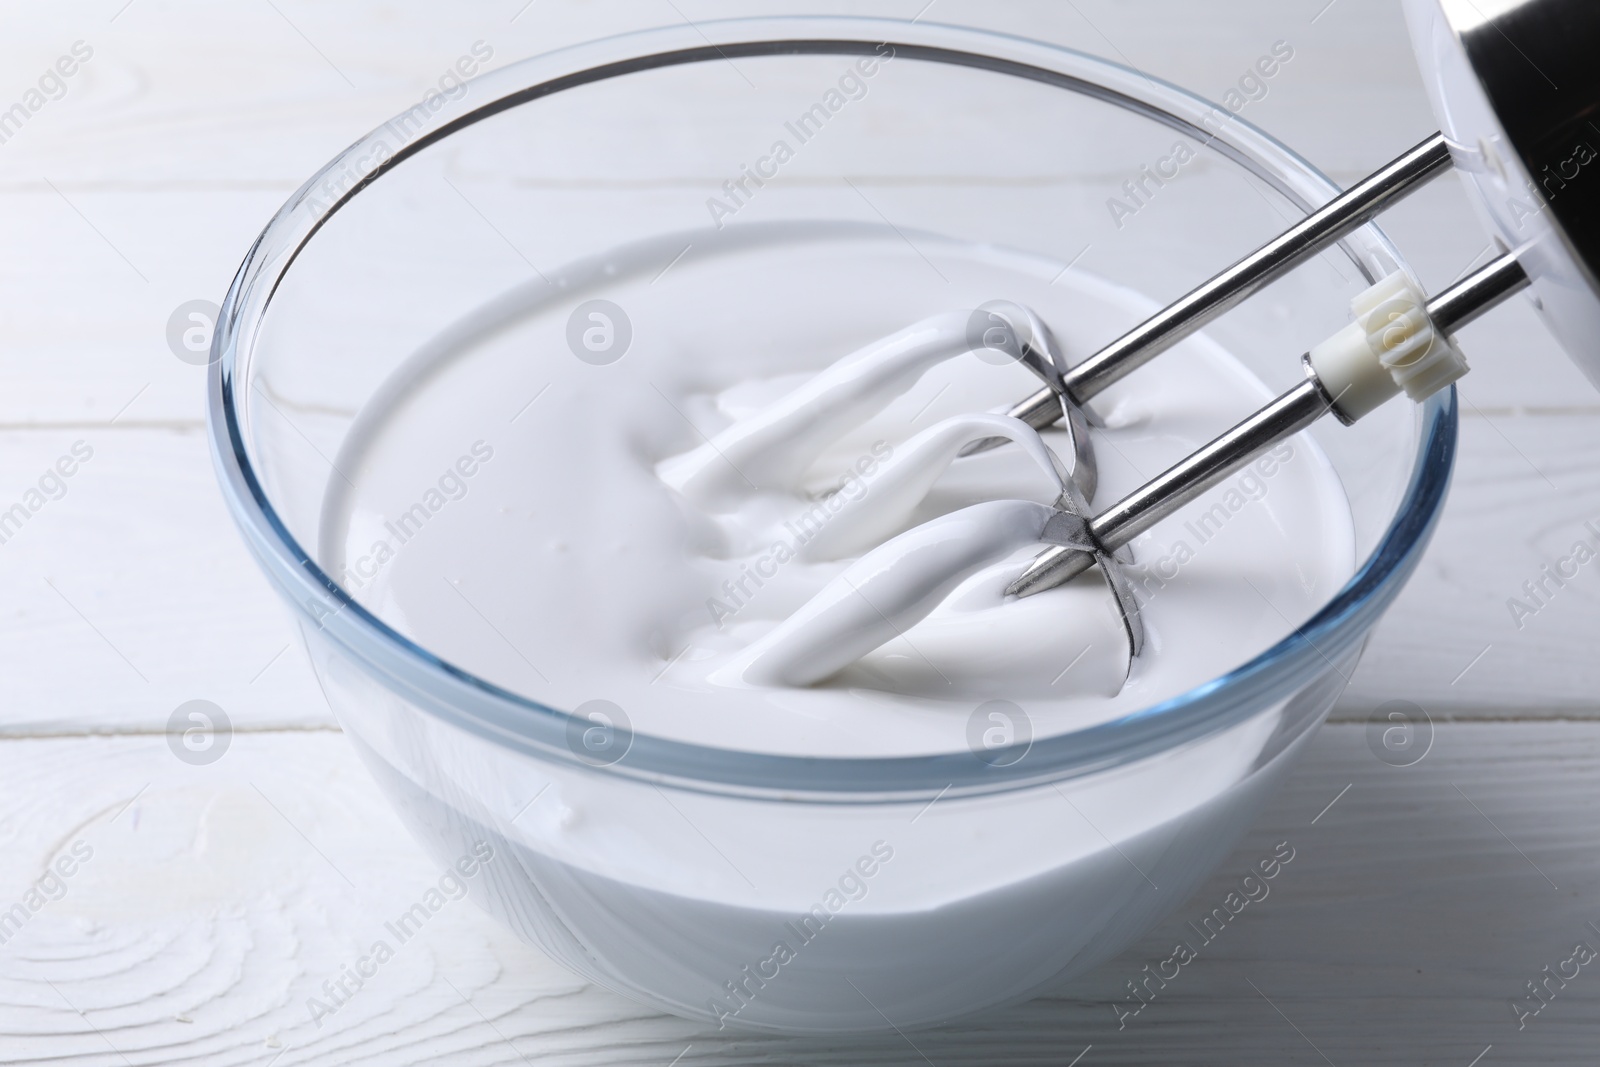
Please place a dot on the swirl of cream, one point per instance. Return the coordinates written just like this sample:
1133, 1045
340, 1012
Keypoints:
887, 591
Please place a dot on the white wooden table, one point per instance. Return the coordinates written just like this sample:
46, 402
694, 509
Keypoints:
1421, 901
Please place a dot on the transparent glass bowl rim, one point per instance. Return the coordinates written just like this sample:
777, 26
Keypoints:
518, 723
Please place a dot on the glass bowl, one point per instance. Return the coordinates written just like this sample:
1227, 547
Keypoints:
753, 888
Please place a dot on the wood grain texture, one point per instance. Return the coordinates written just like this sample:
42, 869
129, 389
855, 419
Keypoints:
1525, 487
217, 902
133, 593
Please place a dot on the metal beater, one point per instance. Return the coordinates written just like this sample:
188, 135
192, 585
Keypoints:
1514, 85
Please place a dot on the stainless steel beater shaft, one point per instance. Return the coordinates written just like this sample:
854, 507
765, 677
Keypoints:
1285, 416
1317, 232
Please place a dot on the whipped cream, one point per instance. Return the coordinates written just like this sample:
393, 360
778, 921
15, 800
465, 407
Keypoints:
646, 527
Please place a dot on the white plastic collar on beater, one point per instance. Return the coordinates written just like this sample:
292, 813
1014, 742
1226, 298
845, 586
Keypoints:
1391, 347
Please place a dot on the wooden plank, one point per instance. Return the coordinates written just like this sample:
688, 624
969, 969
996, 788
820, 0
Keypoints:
253, 94
1416, 906
1525, 488
132, 592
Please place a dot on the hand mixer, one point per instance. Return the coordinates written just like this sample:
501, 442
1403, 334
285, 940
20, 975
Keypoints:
1512, 89
1513, 84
